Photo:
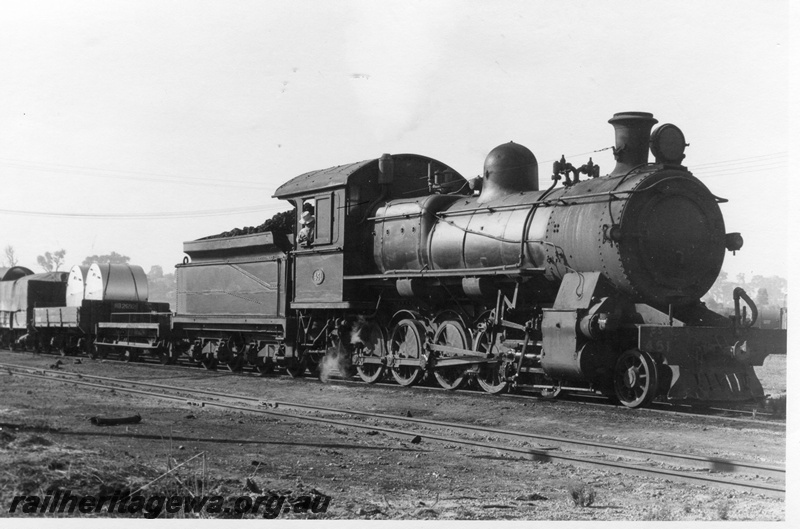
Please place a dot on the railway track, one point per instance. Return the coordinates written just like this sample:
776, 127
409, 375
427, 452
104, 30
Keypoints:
752, 477
745, 415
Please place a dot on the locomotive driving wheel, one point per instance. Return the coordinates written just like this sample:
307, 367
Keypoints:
406, 344
452, 334
635, 379
491, 377
373, 345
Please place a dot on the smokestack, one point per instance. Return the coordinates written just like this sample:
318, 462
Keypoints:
632, 139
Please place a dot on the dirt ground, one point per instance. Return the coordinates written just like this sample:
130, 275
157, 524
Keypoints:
47, 440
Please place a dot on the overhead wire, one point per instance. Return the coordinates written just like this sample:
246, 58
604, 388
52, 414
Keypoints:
264, 208
129, 175
764, 162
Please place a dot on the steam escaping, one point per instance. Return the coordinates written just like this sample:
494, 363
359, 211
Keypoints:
336, 361
338, 358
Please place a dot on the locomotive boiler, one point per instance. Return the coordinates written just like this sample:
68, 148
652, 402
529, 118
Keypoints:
593, 285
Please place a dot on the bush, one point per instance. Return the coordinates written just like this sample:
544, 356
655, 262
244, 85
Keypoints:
582, 495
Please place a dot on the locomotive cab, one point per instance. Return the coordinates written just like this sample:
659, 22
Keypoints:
333, 208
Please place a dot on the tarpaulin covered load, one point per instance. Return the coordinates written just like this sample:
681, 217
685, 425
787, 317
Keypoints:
76, 285
15, 272
19, 297
116, 282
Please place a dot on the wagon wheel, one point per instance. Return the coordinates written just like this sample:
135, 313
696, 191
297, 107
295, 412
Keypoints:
406, 343
296, 367
452, 334
101, 351
165, 354
491, 377
635, 379
131, 355
373, 345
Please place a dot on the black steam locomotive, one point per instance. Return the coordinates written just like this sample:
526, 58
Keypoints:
401, 266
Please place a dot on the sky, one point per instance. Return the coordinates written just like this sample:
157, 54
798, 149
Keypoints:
133, 126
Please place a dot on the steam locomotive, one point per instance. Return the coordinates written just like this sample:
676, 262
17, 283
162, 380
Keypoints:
404, 268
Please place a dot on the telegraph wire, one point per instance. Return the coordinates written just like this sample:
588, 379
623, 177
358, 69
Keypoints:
733, 167
129, 175
159, 215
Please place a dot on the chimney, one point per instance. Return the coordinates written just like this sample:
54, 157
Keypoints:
632, 139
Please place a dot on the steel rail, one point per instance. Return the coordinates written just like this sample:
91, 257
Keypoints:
709, 463
657, 409
719, 465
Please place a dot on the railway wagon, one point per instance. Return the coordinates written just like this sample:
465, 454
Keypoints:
99, 309
21, 291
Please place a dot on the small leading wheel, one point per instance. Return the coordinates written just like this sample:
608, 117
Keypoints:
373, 345
452, 334
635, 379
491, 377
406, 344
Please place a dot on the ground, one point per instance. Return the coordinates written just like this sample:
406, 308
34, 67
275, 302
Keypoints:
47, 440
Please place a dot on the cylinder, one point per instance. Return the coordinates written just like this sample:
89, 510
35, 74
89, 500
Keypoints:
116, 282
76, 285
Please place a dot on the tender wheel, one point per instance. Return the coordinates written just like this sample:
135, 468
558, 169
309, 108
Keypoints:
635, 379
373, 345
264, 365
312, 365
295, 368
235, 364
452, 334
209, 363
406, 343
491, 377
